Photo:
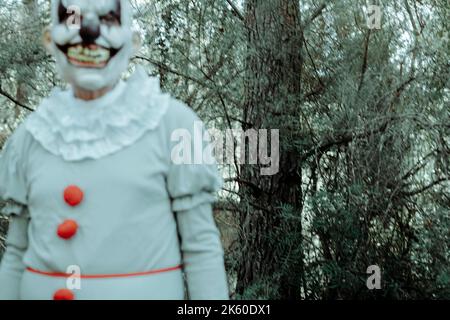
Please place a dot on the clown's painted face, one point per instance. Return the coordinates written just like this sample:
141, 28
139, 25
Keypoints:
92, 41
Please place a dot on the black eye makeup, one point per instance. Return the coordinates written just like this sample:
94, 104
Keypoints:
63, 13
110, 19
113, 17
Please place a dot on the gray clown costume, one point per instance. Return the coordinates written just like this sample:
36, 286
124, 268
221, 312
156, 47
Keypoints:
92, 185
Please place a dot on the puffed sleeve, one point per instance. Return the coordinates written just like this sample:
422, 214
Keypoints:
13, 189
193, 177
12, 266
192, 186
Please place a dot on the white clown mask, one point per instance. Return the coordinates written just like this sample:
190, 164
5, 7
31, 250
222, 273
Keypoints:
92, 41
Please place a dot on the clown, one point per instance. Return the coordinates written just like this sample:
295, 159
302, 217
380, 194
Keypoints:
98, 209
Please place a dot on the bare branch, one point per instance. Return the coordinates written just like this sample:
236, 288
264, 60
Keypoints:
236, 10
343, 140
9, 97
365, 58
315, 14
425, 188
173, 71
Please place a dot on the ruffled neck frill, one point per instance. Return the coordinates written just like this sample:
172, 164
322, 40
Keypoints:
76, 129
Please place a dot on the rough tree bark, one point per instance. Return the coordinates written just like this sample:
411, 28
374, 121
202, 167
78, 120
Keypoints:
272, 89
29, 16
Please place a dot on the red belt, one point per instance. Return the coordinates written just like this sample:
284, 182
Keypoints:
102, 276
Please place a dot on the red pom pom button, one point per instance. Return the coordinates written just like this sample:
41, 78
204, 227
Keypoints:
63, 294
73, 195
67, 229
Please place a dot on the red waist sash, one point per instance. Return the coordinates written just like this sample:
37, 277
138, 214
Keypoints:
103, 276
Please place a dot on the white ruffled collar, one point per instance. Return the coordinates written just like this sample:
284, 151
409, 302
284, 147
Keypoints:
76, 130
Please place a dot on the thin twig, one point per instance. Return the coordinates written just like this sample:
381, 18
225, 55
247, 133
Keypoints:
236, 10
8, 96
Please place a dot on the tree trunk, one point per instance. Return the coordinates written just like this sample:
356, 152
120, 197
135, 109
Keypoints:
272, 90
29, 13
